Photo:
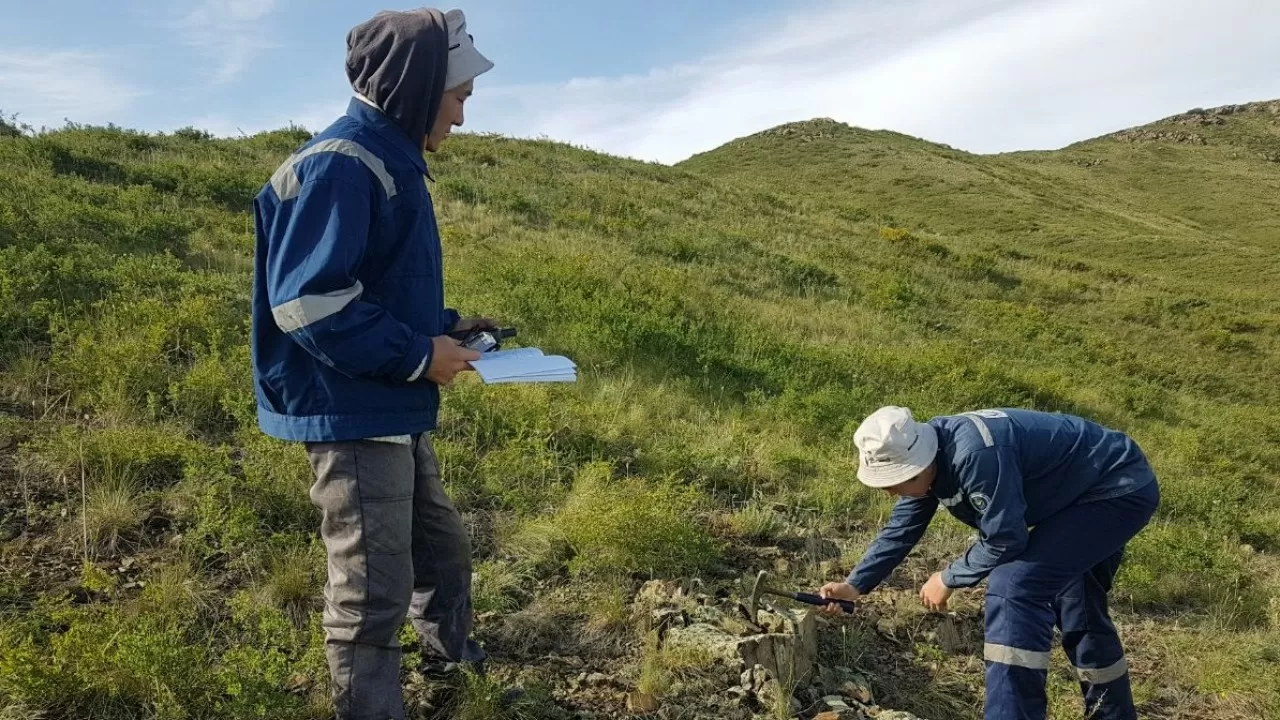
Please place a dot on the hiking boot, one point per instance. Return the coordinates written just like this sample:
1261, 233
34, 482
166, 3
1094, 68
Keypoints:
449, 670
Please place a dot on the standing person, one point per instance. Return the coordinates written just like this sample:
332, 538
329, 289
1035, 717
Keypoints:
350, 347
1083, 490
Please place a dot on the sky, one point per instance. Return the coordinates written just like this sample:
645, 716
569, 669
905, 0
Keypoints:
661, 80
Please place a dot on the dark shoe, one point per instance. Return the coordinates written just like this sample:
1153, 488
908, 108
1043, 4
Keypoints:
449, 670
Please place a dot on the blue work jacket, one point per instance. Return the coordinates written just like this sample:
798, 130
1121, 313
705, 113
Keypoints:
348, 287
1001, 472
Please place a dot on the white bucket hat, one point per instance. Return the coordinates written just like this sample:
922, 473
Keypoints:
465, 62
893, 447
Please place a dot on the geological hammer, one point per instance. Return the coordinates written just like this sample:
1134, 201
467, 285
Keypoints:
761, 588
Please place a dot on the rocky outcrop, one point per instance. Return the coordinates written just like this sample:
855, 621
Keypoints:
773, 657
1158, 134
1171, 128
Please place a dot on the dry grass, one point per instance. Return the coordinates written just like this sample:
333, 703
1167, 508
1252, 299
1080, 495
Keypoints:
293, 581
112, 515
179, 589
662, 666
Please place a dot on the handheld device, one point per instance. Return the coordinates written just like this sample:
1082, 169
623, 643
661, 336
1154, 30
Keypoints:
483, 339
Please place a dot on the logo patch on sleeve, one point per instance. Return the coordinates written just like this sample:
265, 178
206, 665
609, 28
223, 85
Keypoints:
979, 502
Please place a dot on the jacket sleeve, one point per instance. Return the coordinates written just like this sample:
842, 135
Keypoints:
907, 523
1002, 526
317, 300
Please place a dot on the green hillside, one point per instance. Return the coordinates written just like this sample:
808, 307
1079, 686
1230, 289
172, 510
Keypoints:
734, 317
1171, 196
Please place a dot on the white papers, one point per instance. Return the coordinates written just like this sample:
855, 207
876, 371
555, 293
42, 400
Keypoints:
524, 365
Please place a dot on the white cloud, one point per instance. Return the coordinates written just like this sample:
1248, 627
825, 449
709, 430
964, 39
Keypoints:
48, 87
983, 75
229, 32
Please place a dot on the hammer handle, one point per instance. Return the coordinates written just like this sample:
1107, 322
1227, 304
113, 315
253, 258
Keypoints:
811, 599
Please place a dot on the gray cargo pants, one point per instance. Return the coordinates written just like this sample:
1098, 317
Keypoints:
396, 546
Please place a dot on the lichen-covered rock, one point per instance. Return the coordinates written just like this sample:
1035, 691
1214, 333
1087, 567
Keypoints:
789, 655
837, 709
708, 638
656, 593
895, 715
858, 689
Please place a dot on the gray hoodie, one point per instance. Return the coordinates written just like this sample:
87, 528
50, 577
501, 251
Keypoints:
398, 60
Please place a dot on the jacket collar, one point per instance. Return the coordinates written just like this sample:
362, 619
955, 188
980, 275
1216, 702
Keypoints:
365, 112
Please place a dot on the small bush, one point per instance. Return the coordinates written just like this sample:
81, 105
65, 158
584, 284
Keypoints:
483, 697
500, 586
893, 292
662, 666
607, 608
756, 523
178, 590
10, 127
276, 484
212, 393
193, 134
539, 544
293, 581
624, 525
126, 361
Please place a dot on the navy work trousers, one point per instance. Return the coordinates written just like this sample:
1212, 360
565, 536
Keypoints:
1063, 579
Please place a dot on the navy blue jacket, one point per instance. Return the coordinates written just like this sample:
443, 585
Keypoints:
1000, 472
348, 287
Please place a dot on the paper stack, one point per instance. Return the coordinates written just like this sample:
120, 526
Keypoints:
524, 365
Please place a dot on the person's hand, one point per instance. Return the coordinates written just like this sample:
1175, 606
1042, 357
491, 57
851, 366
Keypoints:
837, 591
471, 323
934, 594
448, 358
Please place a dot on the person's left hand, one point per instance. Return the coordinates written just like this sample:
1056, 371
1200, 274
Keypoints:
471, 323
934, 594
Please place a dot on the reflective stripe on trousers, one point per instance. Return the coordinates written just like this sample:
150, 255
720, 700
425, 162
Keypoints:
1062, 579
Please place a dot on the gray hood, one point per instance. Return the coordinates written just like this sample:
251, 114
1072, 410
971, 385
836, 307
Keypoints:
398, 60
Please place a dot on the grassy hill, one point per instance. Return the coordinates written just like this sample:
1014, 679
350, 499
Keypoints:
734, 317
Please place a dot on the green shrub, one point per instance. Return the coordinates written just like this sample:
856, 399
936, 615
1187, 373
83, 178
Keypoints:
501, 586
271, 649
294, 575
625, 525
215, 394
10, 127
125, 361
277, 483
112, 662
756, 523
483, 697
239, 505
178, 590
